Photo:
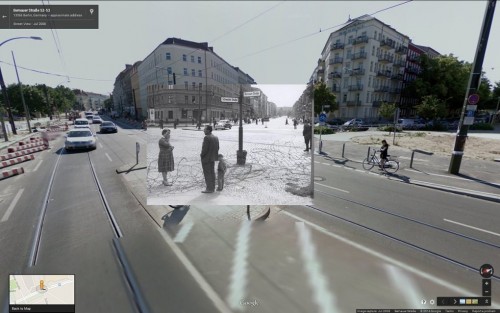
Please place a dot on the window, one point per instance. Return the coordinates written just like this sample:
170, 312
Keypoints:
186, 85
167, 56
199, 73
369, 82
199, 60
367, 97
349, 52
349, 41
200, 85
193, 72
192, 58
345, 98
193, 99
169, 99
184, 113
373, 50
185, 71
371, 66
185, 99
184, 57
171, 114
375, 37
169, 70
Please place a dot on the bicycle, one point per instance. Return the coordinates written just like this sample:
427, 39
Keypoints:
391, 165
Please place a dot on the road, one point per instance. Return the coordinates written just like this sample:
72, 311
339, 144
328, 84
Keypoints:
366, 241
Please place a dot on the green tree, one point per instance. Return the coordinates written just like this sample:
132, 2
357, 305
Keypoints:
323, 96
431, 107
387, 110
32, 97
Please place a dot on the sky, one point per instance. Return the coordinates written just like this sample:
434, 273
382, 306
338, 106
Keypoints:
275, 42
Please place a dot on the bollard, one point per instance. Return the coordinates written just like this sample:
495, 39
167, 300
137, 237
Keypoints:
343, 149
419, 151
368, 154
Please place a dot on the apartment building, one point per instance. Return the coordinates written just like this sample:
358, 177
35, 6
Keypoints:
363, 64
89, 100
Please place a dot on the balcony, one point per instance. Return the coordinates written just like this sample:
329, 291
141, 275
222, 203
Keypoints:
413, 70
382, 89
385, 58
356, 87
413, 58
359, 55
377, 104
337, 46
395, 90
402, 50
337, 60
353, 103
334, 75
321, 70
360, 40
335, 89
358, 72
384, 73
397, 77
399, 63
388, 43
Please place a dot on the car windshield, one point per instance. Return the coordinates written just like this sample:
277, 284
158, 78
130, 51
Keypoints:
107, 124
81, 122
80, 133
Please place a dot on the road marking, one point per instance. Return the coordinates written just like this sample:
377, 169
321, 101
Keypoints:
109, 158
383, 257
465, 225
100, 145
239, 271
332, 187
399, 278
414, 159
447, 176
12, 205
183, 232
204, 285
318, 282
325, 163
37, 166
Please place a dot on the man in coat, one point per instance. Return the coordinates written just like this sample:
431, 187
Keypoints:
307, 133
209, 154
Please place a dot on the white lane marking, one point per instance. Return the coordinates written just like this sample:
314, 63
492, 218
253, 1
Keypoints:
204, 285
325, 163
414, 159
447, 176
183, 232
37, 166
239, 271
383, 257
476, 228
332, 187
100, 145
12, 205
318, 282
399, 278
109, 158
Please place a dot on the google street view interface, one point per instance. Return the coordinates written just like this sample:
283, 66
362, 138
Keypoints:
205, 156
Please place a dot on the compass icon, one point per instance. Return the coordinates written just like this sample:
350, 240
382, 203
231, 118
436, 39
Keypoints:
486, 270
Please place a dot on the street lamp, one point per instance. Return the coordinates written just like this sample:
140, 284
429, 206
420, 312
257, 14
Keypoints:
6, 97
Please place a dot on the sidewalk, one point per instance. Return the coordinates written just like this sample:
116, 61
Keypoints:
476, 178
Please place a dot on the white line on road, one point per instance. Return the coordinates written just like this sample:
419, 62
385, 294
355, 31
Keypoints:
37, 166
411, 292
100, 145
381, 256
318, 282
204, 285
109, 158
447, 176
325, 163
183, 232
239, 271
12, 205
332, 187
465, 225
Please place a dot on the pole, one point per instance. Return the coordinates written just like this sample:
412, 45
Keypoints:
496, 113
473, 85
7, 104
4, 130
135, 104
241, 154
199, 108
26, 112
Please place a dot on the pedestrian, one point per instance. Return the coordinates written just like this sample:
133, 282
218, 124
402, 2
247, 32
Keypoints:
262, 121
214, 122
221, 171
295, 124
209, 154
307, 133
161, 124
383, 153
166, 156
256, 121
286, 123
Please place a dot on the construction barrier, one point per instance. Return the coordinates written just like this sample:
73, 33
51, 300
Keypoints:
25, 146
21, 153
12, 172
18, 160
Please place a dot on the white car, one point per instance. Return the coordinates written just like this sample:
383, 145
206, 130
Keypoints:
81, 123
80, 138
96, 119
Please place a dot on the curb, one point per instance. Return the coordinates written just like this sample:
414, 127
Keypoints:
16, 161
461, 191
12, 172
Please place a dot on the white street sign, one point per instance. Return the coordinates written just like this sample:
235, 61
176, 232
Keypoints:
226, 99
251, 93
151, 114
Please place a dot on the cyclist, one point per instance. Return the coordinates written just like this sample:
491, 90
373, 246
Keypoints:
383, 153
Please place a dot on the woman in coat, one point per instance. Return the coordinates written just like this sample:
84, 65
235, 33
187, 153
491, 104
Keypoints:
166, 156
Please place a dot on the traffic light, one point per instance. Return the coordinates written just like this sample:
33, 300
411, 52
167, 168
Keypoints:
174, 78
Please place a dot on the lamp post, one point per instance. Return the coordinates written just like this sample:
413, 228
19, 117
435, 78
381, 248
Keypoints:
26, 112
6, 96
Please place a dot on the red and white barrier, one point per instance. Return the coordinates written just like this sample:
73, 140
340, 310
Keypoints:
25, 146
18, 160
21, 153
12, 172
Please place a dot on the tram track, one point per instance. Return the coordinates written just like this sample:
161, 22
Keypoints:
405, 242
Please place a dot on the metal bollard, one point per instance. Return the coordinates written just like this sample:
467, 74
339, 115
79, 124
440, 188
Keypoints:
343, 149
419, 151
368, 154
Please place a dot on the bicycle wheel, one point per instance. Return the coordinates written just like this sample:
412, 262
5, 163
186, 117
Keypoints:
368, 164
391, 166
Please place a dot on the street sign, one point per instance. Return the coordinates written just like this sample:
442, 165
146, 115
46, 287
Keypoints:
322, 117
227, 99
473, 99
326, 106
468, 120
251, 93
471, 107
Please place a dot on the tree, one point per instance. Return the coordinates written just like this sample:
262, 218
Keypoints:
387, 110
323, 96
431, 107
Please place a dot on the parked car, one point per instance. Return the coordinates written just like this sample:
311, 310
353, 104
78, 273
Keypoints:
405, 123
108, 127
96, 119
81, 123
80, 138
354, 122
223, 124
335, 121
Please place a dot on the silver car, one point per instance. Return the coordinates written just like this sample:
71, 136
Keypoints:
80, 138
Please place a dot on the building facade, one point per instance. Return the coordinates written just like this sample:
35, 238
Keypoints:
89, 101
